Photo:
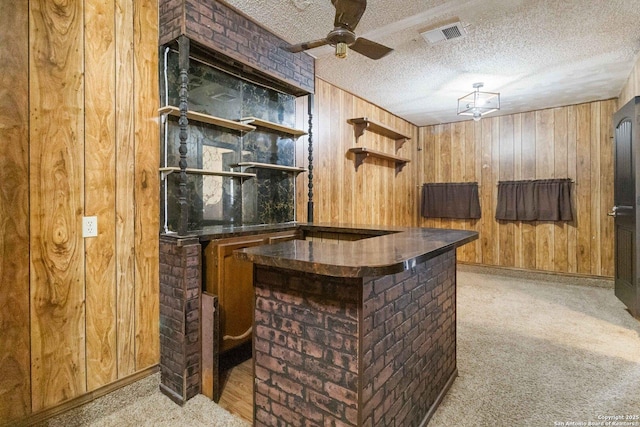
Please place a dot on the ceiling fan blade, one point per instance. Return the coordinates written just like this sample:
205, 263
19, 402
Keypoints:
370, 48
348, 13
295, 48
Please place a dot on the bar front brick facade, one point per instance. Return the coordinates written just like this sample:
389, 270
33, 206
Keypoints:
354, 351
222, 29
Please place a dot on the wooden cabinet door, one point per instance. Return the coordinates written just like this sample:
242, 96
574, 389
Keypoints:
235, 294
232, 281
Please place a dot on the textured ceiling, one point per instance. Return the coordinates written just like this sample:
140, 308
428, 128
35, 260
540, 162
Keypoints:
536, 53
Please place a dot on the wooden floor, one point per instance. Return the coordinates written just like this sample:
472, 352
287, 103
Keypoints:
237, 390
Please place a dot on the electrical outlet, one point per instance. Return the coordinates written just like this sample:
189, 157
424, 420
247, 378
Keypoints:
89, 226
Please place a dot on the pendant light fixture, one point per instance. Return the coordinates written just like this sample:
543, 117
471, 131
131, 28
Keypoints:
477, 103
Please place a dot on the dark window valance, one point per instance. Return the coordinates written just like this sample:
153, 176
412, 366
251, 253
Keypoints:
451, 200
534, 200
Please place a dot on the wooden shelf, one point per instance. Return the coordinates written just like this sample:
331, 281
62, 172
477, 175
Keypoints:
360, 124
248, 165
164, 172
205, 118
363, 152
273, 126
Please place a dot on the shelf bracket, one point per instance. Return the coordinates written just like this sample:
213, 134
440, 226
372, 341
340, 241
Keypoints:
164, 173
399, 167
359, 128
399, 143
359, 159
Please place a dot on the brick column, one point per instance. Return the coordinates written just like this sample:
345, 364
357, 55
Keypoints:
180, 293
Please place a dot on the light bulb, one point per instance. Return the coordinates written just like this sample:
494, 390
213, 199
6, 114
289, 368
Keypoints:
341, 50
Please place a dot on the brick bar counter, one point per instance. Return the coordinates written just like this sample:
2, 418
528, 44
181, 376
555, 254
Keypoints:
354, 332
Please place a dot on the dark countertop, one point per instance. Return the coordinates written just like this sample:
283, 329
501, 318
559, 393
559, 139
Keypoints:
225, 231
390, 250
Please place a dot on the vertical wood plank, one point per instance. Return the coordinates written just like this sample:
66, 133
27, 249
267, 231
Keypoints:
56, 198
324, 152
458, 174
99, 196
345, 165
596, 235
517, 175
125, 187
506, 173
477, 141
146, 182
608, 108
371, 170
528, 162
561, 170
445, 155
468, 175
544, 170
15, 382
457, 152
583, 182
388, 177
360, 199
495, 175
572, 233
402, 202
428, 163
486, 194
335, 125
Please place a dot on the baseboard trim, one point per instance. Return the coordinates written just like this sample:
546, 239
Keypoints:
542, 275
175, 397
438, 401
44, 414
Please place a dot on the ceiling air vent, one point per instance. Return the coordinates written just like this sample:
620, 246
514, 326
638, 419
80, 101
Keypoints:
446, 32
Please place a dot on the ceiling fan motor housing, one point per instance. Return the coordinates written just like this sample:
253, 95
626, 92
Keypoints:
341, 35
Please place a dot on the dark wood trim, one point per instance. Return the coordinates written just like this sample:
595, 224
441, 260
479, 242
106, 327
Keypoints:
183, 43
310, 168
40, 416
443, 393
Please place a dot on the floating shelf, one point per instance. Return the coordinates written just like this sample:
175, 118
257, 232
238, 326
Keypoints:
205, 118
247, 165
361, 124
362, 153
164, 172
273, 126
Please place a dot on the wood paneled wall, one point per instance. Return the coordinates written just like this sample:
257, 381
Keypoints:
632, 86
15, 364
373, 194
80, 133
574, 142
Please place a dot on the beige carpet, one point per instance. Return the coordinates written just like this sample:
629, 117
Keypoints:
530, 353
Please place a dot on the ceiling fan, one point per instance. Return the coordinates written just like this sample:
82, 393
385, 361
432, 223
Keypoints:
348, 14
